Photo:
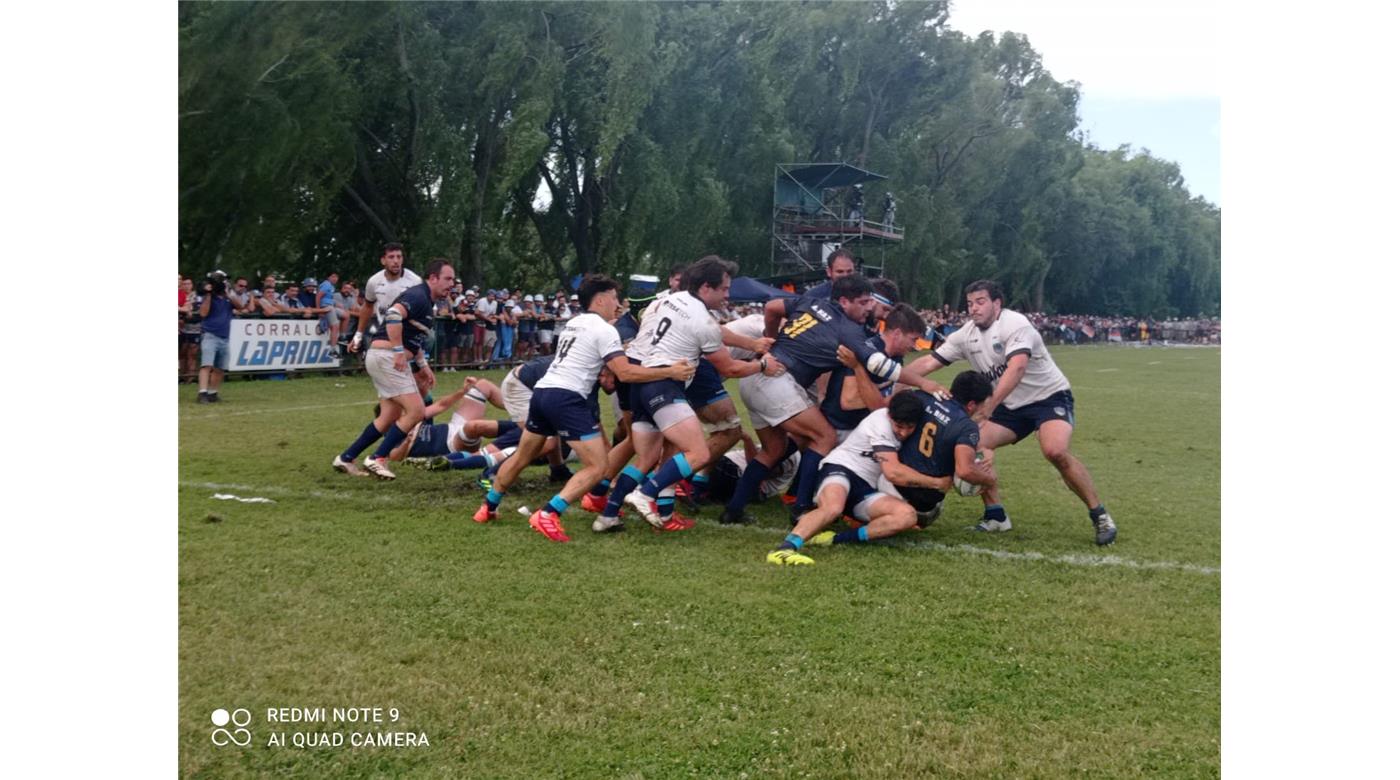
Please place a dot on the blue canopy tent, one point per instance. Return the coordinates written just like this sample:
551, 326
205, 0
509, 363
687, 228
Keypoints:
744, 289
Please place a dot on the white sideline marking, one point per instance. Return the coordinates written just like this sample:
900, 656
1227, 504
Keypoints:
1155, 363
1072, 559
1106, 370
277, 409
255, 500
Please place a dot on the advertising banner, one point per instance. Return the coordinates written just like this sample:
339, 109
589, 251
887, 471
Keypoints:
278, 345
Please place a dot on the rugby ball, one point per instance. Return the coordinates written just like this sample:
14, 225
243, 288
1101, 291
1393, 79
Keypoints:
966, 488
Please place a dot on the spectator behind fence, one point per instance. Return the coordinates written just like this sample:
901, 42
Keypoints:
347, 302
241, 298
291, 302
270, 304
216, 312
525, 343
505, 327
330, 317
485, 331
189, 331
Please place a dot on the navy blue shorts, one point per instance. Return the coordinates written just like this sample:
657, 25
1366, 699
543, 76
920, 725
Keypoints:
624, 390
859, 491
431, 440
508, 439
1028, 419
706, 387
650, 397
555, 411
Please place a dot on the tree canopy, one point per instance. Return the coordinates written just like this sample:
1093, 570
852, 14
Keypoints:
528, 142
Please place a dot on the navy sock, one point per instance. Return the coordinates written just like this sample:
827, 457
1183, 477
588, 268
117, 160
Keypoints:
367, 437
671, 472
478, 461
493, 499
994, 512
699, 486
392, 438
807, 478
666, 506
791, 542
754, 473
851, 536
626, 483
1097, 512
503, 427
601, 489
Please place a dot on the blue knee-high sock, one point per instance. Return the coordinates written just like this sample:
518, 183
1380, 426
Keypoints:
477, 461
754, 473
807, 477
852, 536
673, 471
392, 438
626, 482
367, 437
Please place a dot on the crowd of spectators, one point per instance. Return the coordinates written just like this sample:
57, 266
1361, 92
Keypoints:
478, 327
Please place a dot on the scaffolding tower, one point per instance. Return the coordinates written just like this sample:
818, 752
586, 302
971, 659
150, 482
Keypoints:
813, 215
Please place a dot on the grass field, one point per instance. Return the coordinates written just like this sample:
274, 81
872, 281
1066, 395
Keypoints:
943, 653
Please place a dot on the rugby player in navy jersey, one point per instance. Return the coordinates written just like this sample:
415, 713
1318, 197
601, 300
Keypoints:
916, 443
838, 264
784, 405
1030, 394
402, 329
677, 328
850, 393
559, 406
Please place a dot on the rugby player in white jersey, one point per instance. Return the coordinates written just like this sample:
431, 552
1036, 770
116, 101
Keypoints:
382, 289
1030, 394
559, 406
677, 328
849, 477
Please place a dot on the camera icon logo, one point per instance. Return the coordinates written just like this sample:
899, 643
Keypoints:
239, 735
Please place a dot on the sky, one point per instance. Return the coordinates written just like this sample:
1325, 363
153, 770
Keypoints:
1149, 72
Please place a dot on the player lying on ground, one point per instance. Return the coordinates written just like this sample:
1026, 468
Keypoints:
944, 442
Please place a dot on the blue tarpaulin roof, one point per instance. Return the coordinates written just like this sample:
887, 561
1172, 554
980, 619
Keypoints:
745, 288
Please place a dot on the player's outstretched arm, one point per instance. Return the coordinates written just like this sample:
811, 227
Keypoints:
739, 340
680, 371
901, 475
1015, 370
907, 377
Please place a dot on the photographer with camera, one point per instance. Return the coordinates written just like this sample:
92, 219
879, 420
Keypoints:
216, 314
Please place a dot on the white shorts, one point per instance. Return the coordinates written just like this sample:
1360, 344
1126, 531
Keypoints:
773, 399
516, 397
389, 382
454, 427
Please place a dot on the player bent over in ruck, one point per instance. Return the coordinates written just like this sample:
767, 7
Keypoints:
559, 406
850, 474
